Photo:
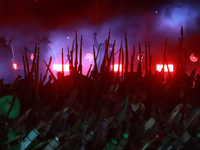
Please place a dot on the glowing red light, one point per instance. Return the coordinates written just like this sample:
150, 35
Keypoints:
58, 67
116, 67
160, 66
32, 57
193, 58
138, 57
89, 56
15, 66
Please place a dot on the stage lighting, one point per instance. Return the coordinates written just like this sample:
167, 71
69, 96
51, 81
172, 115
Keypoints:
160, 66
58, 67
116, 67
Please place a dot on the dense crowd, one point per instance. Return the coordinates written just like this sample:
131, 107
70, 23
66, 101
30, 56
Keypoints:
101, 110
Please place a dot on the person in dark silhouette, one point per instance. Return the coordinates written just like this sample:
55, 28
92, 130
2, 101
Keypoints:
46, 51
102, 50
6, 60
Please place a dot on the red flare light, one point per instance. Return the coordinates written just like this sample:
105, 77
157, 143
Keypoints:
58, 67
15, 66
193, 58
160, 66
32, 57
116, 67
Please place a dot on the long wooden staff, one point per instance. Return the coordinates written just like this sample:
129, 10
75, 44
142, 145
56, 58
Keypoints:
126, 65
122, 74
24, 65
76, 55
139, 71
62, 63
146, 57
80, 57
27, 64
44, 77
120, 53
150, 71
113, 58
95, 62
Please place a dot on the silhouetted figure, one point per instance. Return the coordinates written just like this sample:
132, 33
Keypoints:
102, 50
6, 60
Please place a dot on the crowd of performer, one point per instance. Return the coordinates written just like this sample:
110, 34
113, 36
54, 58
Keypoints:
101, 110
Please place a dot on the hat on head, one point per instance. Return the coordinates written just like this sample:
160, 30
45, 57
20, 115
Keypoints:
45, 40
5, 103
3, 39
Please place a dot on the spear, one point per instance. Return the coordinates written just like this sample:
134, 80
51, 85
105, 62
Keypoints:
62, 63
146, 56
185, 59
24, 65
34, 58
111, 57
120, 52
165, 59
98, 51
44, 77
122, 62
113, 62
76, 57
126, 65
48, 67
139, 72
38, 58
132, 60
27, 65
89, 70
70, 64
80, 61
71, 61
95, 63
103, 67
107, 46
150, 71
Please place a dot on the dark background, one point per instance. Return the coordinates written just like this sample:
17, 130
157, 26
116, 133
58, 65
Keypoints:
28, 21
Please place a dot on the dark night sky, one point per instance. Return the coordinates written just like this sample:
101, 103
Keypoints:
28, 21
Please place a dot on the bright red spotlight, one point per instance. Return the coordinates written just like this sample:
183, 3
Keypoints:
116, 67
193, 58
160, 66
15, 66
58, 67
